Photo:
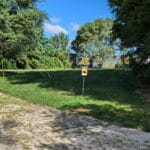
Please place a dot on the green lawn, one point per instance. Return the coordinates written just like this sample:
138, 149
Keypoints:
109, 94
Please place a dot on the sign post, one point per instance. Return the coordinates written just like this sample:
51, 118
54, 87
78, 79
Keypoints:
126, 63
84, 72
83, 83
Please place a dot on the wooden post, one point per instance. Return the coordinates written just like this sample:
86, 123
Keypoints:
3, 72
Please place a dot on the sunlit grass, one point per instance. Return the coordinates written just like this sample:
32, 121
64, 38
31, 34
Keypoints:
109, 94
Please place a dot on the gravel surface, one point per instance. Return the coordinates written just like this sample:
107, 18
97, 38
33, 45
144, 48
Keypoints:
33, 127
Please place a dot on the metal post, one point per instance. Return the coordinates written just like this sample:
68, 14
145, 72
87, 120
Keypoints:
83, 84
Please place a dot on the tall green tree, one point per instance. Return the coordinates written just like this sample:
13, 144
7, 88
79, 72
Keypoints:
132, 22
59, 41
53, 53
20, 30
95, 38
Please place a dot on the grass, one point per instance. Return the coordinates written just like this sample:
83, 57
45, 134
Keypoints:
9, 100
109, 94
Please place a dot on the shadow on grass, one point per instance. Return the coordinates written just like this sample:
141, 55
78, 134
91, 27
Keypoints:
100, 85
113, 85
135, 118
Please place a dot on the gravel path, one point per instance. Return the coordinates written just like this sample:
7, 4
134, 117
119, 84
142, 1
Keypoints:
33, 127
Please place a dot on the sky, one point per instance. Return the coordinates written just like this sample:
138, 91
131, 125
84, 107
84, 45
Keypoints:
68, 15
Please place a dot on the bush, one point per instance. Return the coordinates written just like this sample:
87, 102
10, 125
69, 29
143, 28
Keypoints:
8, 64
119, 64
34, 63
11, 64
143, 74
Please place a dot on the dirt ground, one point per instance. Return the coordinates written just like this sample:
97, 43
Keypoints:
26, 126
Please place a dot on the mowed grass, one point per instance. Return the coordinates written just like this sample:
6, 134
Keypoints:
110, 95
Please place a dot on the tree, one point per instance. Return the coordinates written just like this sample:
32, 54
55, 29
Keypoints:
20, 30
95, 38
53, 53
59, 41
131, 26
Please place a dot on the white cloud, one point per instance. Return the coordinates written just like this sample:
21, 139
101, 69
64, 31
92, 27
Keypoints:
55, 20
75, 26
54, 29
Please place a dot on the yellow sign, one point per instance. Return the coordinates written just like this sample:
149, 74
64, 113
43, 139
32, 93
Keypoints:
126, 60
85, 61
84, 71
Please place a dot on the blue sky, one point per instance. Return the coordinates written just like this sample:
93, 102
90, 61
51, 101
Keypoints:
68, 15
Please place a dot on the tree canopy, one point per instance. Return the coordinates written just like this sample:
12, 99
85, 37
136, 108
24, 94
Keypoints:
59, 41
95, 38
54, 52
20, 30
131, 26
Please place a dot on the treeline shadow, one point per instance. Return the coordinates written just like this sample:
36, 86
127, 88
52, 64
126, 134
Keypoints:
135, 118
113, 85
104, 85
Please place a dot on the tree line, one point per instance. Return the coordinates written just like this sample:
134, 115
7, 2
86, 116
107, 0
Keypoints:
22, 41
131, 26
24, 45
